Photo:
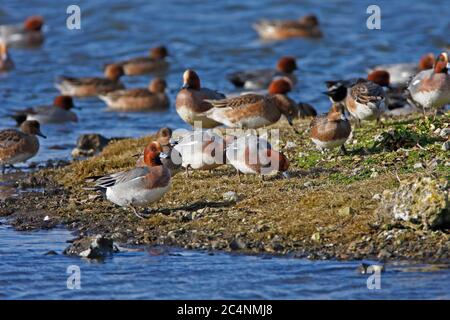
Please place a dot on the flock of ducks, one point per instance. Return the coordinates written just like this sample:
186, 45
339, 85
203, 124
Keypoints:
386, 89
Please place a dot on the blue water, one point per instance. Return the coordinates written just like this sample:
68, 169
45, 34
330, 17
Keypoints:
168, 273
214, 38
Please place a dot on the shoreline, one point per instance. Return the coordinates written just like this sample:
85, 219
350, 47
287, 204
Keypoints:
326, 210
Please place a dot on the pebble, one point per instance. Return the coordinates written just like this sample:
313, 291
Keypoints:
446, 146
445, 133
230, 196
418, 165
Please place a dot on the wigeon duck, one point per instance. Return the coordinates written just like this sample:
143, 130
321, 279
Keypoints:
304, 27
19, 146
254, 110
6, 63
430, 89
155, 62
366, 100
305, 110
331, 130
258, 79
163, 136
201, 150
396, 99
401, 73
88, 87
140, 99
191, 101
251, 154
139, 186
28, 34
59, 112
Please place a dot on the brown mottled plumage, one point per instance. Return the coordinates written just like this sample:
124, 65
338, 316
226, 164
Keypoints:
155, 62
307, 27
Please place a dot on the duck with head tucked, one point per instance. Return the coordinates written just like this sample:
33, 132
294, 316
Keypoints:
261, 79
153, 98
18, 146
304, 27
193, 100
27, 34
59, 112
155, 62
91, 86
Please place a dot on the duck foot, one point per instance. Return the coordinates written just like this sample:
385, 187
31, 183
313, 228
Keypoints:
343, 150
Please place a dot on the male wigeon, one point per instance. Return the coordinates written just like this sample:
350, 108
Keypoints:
366, 100
19, 146
6, 62
163, 137
260, 79
251, 154
304, 27
93, 86
401, 73
28, 34
139, 186
59, 112
331, 130
139, 99
156, 62
254, 110
430, 89
201, 150
191, 101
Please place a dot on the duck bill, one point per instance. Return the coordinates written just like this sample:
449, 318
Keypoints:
163, 155
40, 134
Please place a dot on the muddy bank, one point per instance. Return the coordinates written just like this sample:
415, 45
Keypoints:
330, 207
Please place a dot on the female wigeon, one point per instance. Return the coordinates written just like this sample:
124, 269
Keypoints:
201, 150
28, 34
59, 112
401, 73
259, 79
139, 186
139, 99
19, 146
88, 87
366, 100
396, 99
191, 101
251, 154
430, 89
254, 110
155, 62
163, 136
304, 27
6, 63
331, 130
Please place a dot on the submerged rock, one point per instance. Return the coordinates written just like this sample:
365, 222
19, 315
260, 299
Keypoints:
95, 247
421, 203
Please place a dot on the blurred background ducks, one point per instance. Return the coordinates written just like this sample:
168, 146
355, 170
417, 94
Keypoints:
155, 63
139, 99
59, 112
91, 86
304, 27
26, 34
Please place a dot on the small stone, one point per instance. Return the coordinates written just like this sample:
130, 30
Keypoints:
307, 184
418, 165
46, 218
290, 145
445, 133
374, 174
446, 146
237, 244
376, 196
346, 211
230, 196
